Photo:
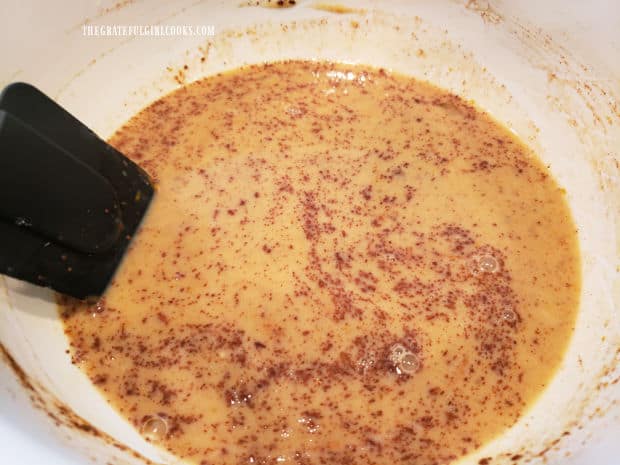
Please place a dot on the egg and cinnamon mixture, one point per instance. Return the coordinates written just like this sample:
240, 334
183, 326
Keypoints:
341, 266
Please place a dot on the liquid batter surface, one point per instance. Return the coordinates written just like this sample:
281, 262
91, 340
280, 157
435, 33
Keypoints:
341, 266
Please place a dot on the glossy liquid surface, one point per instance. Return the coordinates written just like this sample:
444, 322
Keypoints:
341, 265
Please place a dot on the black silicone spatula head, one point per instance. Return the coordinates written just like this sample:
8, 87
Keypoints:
69, 202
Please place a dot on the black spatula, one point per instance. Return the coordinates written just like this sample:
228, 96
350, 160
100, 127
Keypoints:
69, 202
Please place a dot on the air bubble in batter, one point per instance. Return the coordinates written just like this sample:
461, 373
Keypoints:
154, 428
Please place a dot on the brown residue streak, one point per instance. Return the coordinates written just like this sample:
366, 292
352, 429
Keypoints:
271, 3
179, 76
116, 7
483, 7
22, 377
60, 414
337, 8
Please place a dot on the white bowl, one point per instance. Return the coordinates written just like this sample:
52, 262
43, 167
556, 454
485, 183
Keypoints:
548, 70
